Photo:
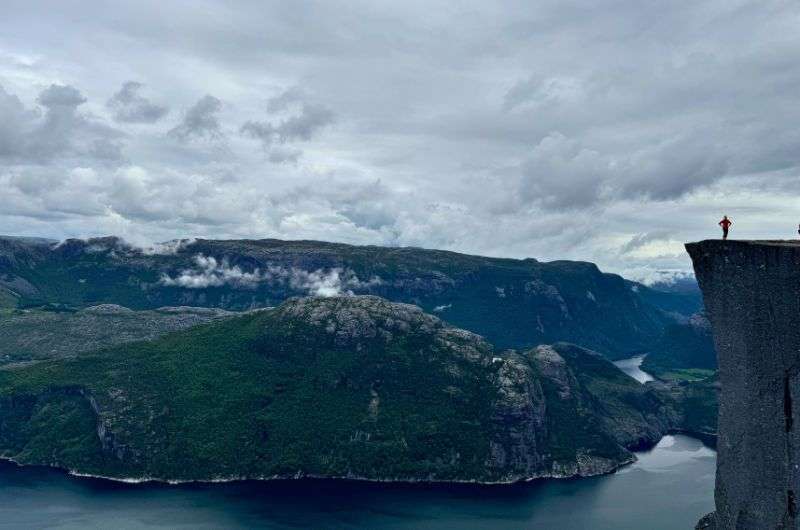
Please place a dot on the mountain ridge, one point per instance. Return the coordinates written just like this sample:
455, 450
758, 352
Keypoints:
514, 303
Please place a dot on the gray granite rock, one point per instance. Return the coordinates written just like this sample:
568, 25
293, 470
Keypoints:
706, 523
752, 295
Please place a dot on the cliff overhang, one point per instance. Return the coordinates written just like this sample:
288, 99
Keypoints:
751, 291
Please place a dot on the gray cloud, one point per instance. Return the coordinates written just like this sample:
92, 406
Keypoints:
286, 99
200, 121
547, 129
537, 91
301, 121
127, 105
302, 126
280, 155
14, 122
36, 137
561, 172
642, 239
61, 97
104, 149
56, 134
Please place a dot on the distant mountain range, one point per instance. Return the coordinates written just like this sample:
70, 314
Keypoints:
512, 303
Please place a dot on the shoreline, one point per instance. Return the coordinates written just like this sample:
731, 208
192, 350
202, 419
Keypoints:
157, 481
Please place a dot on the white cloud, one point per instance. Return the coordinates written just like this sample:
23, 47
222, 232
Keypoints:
210, 272
649, 276
318, 283
167, 248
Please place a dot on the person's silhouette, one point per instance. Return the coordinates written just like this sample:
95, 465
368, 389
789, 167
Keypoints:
726, 224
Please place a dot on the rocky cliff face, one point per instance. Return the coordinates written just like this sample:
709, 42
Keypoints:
752, 295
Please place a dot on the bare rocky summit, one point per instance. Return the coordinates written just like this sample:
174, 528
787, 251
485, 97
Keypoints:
35, 334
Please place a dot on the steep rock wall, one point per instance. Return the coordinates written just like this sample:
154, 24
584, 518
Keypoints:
751, 291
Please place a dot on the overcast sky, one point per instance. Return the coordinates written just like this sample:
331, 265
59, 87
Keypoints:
609, 131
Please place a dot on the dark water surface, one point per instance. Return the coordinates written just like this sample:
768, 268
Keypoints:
670, 487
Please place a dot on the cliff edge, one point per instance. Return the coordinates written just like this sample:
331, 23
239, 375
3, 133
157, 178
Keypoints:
751, 291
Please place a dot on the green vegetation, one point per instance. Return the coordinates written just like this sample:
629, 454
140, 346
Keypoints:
348, 387
513, 303
689, 374
353, 386
604, 400
55, 428
684, 351
573, 426
8, 300
263, 395
697, 403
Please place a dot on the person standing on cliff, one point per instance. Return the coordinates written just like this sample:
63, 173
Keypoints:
725, 224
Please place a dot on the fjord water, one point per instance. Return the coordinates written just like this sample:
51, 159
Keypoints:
632, 367
670, 487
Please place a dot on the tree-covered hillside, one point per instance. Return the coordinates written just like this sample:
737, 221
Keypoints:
342, 386
684, 351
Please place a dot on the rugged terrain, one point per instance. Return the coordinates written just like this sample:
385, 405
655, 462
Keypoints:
694, 403
351, 386
36, 334
751, 291
684, 351
513, 303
